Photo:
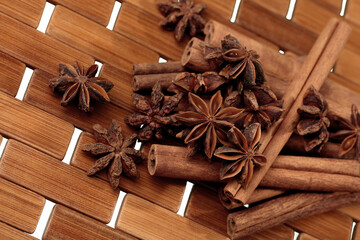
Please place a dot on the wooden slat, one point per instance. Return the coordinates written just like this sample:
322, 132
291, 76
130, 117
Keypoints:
19, 207
330, 225
9, 233
348, 65
275, 28
35, 48
11, 73
356, 235
40, 95
304, 236
149, 221
96, 10
105, 45
204, 208
65, 223
33, 126
164, 192
143, 27
353, 211
279, 7
352, 11
57, 181
26, 11
120, 94
332, 5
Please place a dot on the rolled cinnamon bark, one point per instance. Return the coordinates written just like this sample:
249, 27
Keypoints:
286, 66
154, 68
193, 57
284, 209
146, 82
289, 172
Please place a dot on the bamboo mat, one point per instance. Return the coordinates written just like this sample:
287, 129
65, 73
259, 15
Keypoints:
39, 129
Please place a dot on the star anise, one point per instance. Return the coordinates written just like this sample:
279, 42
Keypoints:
209, 121
182, 15
153, 115
196, 83
238, 62
75, 81
313, 124
117, 153
261, 106
241, 158
348, 132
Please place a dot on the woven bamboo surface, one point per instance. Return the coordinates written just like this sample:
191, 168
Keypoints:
39, 129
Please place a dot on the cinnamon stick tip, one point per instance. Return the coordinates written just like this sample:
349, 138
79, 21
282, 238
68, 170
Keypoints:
230, 225
152, 160
134, 84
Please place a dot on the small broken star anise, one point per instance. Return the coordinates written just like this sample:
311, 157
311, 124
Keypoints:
75, 81
240, 159
196, 83
153, 115
209, 121
238, 62
182, 15
348, 132
117, 153
313, 124
261, 106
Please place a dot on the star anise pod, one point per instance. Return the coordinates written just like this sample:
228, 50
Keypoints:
117, 153
196, 83
313, 124
153, 115
261, 106
238, 62
74, 81
348, 132
241, 158
182, 15
210, 121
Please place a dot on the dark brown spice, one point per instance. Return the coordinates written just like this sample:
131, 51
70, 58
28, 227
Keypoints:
74, 82
154, 115
118, 154
181, 16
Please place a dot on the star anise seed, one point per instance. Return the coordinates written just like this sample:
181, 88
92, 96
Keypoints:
241, 158
209, 121
182, 15
75, 81
313, 124
117, 153
153, 115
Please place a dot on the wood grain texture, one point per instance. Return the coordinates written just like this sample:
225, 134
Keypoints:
33, 126
143, 27
11, 73
105, 45
40, 95
280, 232
65, 223
353, 211
279, 7
120, 94
96, 10
10, 233
162, 191
35, 48
149, 221
275, 28
329, 225
26, 11
19, 207
57, 181
347, 65
352, 11
304, 236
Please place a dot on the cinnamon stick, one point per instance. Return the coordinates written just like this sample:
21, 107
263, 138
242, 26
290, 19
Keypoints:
146, 82
284, 209
313, 72
193, 57
154, 68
